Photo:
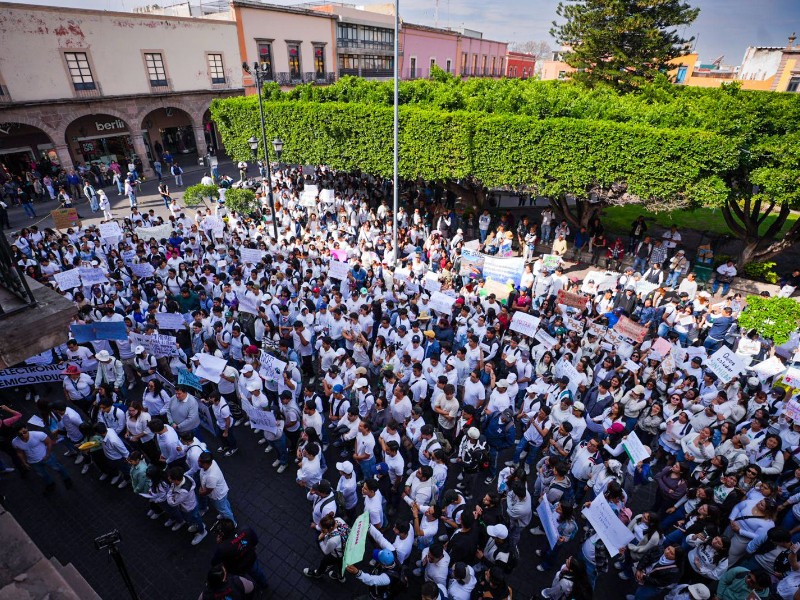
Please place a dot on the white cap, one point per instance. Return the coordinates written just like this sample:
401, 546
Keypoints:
503, 383
247, 369
698, 591
103, 356
474, 433
139, 350
361, 383
345, 467
341, 352
511, 377
253, 385
498, 531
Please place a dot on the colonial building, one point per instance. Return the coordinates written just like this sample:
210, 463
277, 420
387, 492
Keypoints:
520, 65
80, 86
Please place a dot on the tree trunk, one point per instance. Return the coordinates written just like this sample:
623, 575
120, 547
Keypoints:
745, 223
579, 215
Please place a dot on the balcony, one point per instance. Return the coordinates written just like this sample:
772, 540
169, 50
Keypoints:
364, 44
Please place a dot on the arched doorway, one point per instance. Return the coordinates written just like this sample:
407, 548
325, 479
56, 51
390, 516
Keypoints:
169, 129
25, 148
213, 142
100, 138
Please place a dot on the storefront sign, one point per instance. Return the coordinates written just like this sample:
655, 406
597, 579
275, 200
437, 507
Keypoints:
117, 124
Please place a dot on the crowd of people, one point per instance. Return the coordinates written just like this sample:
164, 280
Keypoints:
448, 428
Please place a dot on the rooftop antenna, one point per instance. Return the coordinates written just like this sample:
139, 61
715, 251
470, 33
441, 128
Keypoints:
436, 14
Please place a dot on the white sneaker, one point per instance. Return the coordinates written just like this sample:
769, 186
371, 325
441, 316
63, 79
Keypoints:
103, 476
203, 512
169, 523
85, 469
123, 484
276, 463
460, 477
418, 572
262, 441
443, 538
527, 469
221, 449
131, 386
268, 449
199, 537
79, 459
192, 529
150, 513
155, 515
536, 531
511, 463
231, 452
178, 525
116, 479
281, 469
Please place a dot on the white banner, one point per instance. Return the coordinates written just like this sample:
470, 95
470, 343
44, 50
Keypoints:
251, 255
549, 522
611, 530
68, 280
210, 367
158, 233
524, 323
769, 368
308, 196
441, 303
173, 321
33, 374
144, 269
544, 338
110, 230
431, 282
92, 275
725, 364
338, 270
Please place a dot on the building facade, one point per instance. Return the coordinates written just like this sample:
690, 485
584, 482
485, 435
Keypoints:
81, 86
520, 65
292, 45
425, 47
479, 57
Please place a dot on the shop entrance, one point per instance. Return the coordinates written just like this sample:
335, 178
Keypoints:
24, 148
95, 139
170, 130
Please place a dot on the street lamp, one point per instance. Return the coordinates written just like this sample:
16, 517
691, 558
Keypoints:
277, 145
259, 72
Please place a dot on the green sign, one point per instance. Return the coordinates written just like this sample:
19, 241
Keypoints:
356, 542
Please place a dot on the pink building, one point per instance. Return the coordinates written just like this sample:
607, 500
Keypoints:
463, 52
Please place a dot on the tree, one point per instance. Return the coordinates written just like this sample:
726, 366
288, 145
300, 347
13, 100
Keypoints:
538, 48
622, 43
195, 195
772, 318
241, 201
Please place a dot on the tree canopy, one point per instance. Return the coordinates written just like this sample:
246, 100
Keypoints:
621, 43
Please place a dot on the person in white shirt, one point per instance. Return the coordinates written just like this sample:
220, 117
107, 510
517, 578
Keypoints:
213, 486
35, 451
373, 502
168, 441
347, 485
69, 422
116, 455
364, 452
310, 471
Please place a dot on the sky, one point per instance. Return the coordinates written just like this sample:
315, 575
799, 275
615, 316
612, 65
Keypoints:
724, 27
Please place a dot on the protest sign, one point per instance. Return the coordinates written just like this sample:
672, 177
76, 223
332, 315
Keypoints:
327, 196
186, 377
138, 339
668, 364
356, 541
503, 269
572, 299
662, 346
206, 419
471, 264
644, 287
633, 367
635, 449
17, 376
68, 280
210, 367
549, 522
92, 275
144, 269
597, 329
624, 349
566, 369
431, 282
550, 262
168, 320
524, 323
338, 270
339, 254
64, 218
499, 289
792, 377
613, 533
441, 303
473, 245
595, 281
168, 385
163, 345
158, 233
574, 324
128, 256
769, 368
259, 418
248, 304
110, 230
271, 368
725, 364
308, 197
544, 338
506, 247
113, 330
252, 255
630, 330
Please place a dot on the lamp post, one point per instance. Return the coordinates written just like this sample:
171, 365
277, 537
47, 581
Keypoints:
396, 128
277, 145
260, 74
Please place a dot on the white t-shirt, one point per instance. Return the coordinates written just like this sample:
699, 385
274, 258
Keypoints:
213, 478
34, 449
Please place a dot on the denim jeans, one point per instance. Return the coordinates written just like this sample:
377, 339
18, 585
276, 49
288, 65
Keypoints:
725, 288
223, 507
672, 279
52, 463
28, 207
639, 265
484, 233
226, 442
521, 447
132, 199
193, 518
367, 467
281, 447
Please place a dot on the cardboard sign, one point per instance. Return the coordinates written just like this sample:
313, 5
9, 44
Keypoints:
110, 231
338, 270
271, 368
173, 321
630, 330
572, 299
613, 533
725, 364
662, 346
769, 368
64, 218
67, 280
441, 303
524, 323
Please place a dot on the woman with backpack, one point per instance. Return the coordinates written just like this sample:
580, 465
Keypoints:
332, 539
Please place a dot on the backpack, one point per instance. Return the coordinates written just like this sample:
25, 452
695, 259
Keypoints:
447, 448
340, 502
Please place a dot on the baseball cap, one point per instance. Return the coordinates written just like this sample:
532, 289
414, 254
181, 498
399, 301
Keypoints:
247, 369
498, 531
503, 383
698, 591
338, 388
345, 467
578, 406
254, 385
415, 339
474, 433
381, 468
361, 383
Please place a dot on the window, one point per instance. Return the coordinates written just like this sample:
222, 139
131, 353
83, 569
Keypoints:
155, 69
483, 66
412, 68
463, 63
295, 72
265, 58
346, 31
377, 63
433, 64
348, 62
79, 71
215, 68
319, 61
502, 63
474, 64
794, 84
494, 66
448, 65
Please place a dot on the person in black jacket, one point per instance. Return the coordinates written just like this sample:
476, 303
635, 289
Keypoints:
236, 550
656, 571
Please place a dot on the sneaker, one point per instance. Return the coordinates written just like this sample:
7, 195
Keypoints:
36, 397
539, 552
268, 449
527, 469
169, 523
540, 568
80, 458
443, 538
262, 441
116, 479
85, 469
203, 511
536, 531
221, 449
103, 476
460, 477
131, 386
178, 525
150, 512
8, 470
623, 576
324, 447
281, 469
192, 529
337, 576
199, 537
418, 563
511, 463
238, 422
123, 484
618, 566
155, 515
276, 462
70, 453
309, 572
231, 452
488, 480
545, 594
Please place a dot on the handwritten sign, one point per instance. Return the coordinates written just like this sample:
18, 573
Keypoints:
769, 368
524, 323
630, 330
271, 368
249, 304
633, 367
792, 377
635, 449
110, 230
112, 330
163, 345
173, 321
68, 280
64, 218
544, 338
339, 254
725, 364
572, 299
611, 530
792, 410
251, 255
338, 270
144, 269
549, 522
128, 256
92, 275
662, 346
186, 377
210, 367
550, 262
441, 302
259, 418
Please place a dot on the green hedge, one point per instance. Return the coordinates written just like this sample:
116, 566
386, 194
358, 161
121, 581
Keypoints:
555, 155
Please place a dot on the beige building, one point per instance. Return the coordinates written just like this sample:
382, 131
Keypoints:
84, 85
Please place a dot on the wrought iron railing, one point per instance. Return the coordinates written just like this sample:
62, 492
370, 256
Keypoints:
13, 280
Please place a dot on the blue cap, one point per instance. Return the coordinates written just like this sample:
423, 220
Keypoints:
338, 388
385, 557
323, 305
381, 468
